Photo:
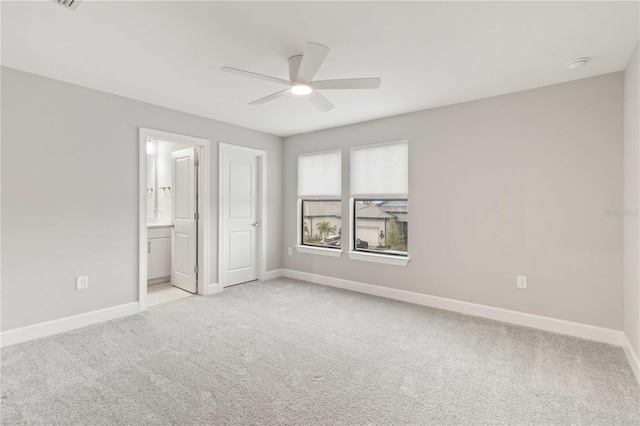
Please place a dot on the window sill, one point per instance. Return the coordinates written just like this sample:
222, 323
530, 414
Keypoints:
379, 258
319, 250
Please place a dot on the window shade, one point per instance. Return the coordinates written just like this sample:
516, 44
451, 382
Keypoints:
320, 175
380, 170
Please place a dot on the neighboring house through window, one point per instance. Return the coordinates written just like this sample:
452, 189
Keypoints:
322, 222
381, 226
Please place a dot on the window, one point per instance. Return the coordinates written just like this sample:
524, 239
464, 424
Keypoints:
322, 223
381, 226
379, 197
320, 207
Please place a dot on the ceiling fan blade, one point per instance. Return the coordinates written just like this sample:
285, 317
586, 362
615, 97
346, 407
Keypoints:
347, 83
270, 97
320, 101
313, 57
255, 75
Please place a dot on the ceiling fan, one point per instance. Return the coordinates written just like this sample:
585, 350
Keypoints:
302, 69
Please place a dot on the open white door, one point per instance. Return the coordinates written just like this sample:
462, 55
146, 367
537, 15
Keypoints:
183, 220
239, 187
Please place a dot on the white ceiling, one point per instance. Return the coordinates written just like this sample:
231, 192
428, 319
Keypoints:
428, 54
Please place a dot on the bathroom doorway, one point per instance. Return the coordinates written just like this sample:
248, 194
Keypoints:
174, 223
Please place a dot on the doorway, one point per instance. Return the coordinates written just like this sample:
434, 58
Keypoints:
242, 214
173, 216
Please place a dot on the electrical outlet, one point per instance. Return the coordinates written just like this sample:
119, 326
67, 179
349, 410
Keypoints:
521, 282
290, 251
82, 283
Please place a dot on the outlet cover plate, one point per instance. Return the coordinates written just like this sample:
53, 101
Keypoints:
82, 282
521, 282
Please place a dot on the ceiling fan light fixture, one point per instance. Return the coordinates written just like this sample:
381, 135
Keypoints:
300, 89
302, 70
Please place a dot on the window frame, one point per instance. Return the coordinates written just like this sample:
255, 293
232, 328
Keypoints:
301, 247
372, 255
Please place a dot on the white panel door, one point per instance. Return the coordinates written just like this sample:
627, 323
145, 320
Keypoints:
239, 217
184, 235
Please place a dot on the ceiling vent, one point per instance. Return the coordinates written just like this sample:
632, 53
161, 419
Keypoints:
68, 4
577, 63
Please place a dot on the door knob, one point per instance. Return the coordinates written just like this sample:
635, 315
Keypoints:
255, 224
172, 225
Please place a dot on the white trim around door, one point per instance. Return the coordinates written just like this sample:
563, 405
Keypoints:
261, 156
204, 231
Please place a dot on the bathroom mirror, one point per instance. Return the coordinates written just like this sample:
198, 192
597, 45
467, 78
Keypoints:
152, 187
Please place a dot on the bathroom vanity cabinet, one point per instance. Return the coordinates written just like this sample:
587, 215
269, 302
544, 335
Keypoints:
158, 252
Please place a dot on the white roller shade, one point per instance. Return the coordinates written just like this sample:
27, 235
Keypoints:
320, 175
380, 170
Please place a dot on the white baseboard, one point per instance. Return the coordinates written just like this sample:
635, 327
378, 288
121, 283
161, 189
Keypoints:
632, 356
276, 273
585, 331
213, 289
48, 328
161, 280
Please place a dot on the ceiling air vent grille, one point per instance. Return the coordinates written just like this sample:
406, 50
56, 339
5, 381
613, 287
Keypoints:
68, 4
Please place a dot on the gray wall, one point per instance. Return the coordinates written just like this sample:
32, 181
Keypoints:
70, 194
632, 202
516, 184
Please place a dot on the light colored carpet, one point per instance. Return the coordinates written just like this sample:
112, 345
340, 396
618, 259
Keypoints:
289, 352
